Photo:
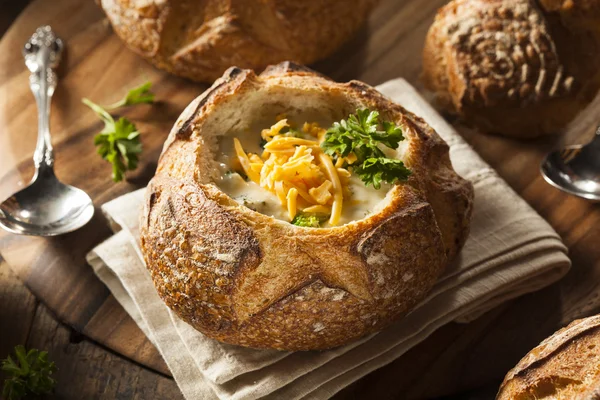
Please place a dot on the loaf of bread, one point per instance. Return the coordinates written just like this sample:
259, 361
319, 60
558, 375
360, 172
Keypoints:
520, 68
199, 40
242, 276
564, 366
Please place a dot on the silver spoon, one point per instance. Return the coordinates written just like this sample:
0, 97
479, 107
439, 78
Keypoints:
45, 207
576, 169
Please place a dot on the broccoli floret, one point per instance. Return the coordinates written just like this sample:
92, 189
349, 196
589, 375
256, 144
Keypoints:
309, 220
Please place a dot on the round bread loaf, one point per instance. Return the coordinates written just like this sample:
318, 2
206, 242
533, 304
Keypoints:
514, 67
564, 366
246, 278
199, 40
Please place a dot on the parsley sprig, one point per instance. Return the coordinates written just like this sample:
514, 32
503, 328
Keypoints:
137, 95
380, 169
361, 135
30, 374
119, 141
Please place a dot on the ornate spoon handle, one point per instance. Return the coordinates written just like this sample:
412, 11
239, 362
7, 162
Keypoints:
42, 54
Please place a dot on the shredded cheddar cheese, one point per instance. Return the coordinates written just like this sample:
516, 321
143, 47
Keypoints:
322, 193
245, 161
292, 204
338, 197
297, 171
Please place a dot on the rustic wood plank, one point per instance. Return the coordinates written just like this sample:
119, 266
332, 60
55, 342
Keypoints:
127, 339
17, 309
388, 47
10, 10
97, 65
483, 393
87, 371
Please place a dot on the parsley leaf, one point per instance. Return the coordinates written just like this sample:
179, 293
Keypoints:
360, 135
377, 170
309, 220
118, 143
137, 95
29, 375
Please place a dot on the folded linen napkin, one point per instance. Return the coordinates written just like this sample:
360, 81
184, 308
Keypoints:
511, 251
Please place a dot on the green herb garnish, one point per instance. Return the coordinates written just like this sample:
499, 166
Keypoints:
137, 95
309, 220
361, 134
118, 143
381, 169
29, 375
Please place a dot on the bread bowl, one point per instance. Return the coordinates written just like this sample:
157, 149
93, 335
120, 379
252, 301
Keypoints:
520, 68
251, 279
564, 366
199, 40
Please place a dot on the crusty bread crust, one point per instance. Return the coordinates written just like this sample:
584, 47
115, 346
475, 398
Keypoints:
200, 39
564, 366
512, 66
245, 278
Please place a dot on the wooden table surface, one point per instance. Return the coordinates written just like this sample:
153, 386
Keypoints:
58, 304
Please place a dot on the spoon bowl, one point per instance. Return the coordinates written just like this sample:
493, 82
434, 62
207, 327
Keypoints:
575, 169
46, 207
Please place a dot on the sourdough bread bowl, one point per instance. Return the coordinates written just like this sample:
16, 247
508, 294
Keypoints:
521, 68
564, 366
249, 278
199, 40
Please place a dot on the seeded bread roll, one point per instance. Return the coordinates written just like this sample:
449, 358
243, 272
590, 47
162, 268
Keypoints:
564, 366
249, 279
200, 39
514, 67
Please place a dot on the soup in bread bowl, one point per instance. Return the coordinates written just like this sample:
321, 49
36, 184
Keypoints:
292, 212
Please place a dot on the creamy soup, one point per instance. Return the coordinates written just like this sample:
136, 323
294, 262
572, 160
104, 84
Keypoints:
359, 200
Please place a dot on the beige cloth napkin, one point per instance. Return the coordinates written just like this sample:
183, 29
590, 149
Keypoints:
511, 251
